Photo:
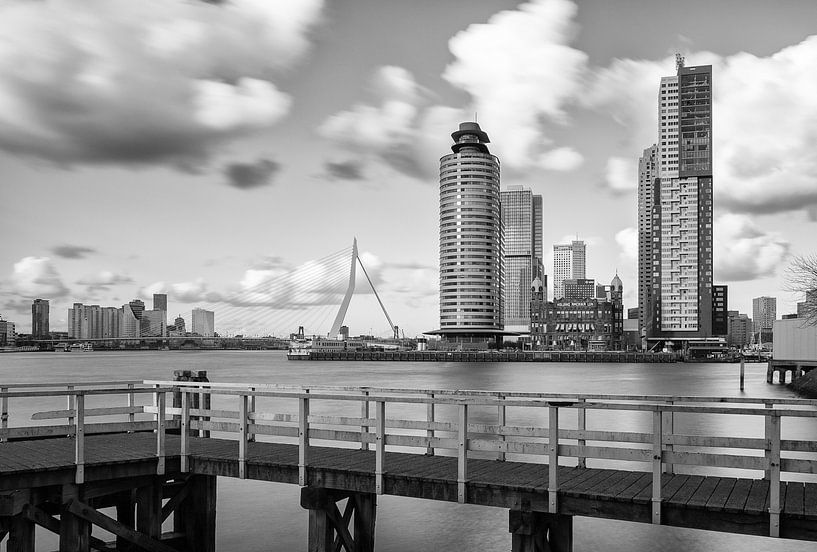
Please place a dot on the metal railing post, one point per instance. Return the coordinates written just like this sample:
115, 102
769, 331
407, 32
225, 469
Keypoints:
767, 430
303, 439
131, 403
581, 425
668, 430
657, 443
462, 453
185, 432
553, 459
773, 437
364, 424
4, 415
79, 444
243, 436
161, 431
380, 444
430, 419
69, 399
251, 417
500, 420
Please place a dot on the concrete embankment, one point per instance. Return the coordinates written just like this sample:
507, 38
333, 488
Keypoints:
806, 385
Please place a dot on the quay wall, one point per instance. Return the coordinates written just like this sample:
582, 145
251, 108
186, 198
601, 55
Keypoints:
493, 356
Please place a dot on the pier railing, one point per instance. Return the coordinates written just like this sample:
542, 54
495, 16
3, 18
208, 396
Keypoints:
295, 418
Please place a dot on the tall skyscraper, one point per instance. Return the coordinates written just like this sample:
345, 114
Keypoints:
85, 321
137, 307
160, 301
569, 263
111, 322
471, 241
203, 322
680, 303
647, 191
39, 319
764, 313
522, 223
129, 327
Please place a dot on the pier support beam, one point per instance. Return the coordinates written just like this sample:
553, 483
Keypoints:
540, 532
330, 529
75, 532
196, 515
21, 534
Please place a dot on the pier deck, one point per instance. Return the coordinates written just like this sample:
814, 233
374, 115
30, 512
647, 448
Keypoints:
706, 502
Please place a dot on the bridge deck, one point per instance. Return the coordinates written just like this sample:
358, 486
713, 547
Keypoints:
708, 502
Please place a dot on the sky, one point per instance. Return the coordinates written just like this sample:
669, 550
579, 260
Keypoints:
228, 152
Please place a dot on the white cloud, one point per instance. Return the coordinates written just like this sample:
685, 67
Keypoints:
521, 73
764, 121
561, 159
621, 174
105, 279
745, 252
37, 277
143, 82
627, 240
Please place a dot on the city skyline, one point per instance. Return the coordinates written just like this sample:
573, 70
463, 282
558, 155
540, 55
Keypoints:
276, 171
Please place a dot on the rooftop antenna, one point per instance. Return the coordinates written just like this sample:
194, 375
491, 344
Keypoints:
679, 61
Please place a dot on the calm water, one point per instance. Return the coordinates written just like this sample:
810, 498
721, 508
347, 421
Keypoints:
256, 516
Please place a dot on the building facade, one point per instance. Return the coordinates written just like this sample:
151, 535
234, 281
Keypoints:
130, 325
160, 301
203, 322
679, 303
8, 334
522, 224
153, 323
579, 288
740, 329
471, 239
720, 310
569, 262
764, 313
111, 322
39, 319
85, 321
648, 182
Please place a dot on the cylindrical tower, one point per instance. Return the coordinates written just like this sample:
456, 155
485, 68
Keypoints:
471, 271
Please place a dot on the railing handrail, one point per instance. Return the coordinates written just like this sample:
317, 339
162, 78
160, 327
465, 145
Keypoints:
487, 393
76, 392
70, 384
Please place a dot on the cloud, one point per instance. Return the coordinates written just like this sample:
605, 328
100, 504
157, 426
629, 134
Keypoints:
195, 291
155, 81
621, 174
521, 74
745, 252
351, 169
251, 175
764, 123
104, 280
37, 277
627, 240
72, 251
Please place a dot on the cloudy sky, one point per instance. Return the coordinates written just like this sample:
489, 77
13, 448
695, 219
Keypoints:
227, 153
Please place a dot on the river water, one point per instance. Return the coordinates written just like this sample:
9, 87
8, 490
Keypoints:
258, 516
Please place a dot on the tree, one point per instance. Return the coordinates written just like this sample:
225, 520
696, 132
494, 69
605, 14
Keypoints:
801, 277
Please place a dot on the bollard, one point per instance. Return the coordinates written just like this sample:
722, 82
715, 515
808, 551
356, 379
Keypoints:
742, 372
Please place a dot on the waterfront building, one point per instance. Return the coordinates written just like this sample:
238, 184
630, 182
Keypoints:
579, 288
471, 241
569, 262
720, 313
40, 319
179, 323
522, 226
648, 182
111, 322
85, 321
680, 304
153, 323
764, 313
137, 307
203, 322
740, 329
807, 307
130, 327
8, 334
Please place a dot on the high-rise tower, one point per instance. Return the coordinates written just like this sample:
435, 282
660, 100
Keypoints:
648, 166
471, 240
569, 263
39, 319
522, 224
681, 222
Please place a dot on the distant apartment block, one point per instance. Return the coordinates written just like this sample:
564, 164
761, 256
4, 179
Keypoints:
569, 262
39, 319
203, 322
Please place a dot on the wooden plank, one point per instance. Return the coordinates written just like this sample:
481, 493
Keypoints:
756, 501
685, 492
795, 494
580, 488
810, 500
740, 493
702, 494
601, 487
721, 493
109, 411
628, 494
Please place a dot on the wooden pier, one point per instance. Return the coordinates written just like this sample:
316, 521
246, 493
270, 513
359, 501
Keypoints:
489, 356
345, 446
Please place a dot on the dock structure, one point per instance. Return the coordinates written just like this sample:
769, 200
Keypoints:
487, 356
797, 368
345, 446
